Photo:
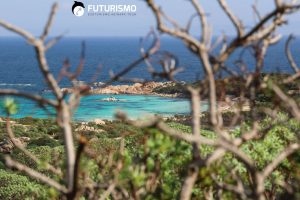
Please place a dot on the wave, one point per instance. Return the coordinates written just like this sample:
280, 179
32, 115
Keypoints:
17, 84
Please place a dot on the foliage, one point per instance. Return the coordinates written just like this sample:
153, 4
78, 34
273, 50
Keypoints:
10, 106
158, 155
14, 186
150, 153
44, 153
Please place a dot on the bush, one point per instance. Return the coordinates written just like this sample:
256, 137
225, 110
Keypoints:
18, 187
44, 140
44, 153
149, 152
169, 158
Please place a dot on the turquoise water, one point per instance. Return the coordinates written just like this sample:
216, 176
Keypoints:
93, 107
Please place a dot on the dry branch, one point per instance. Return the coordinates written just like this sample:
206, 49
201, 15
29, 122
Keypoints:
34, 174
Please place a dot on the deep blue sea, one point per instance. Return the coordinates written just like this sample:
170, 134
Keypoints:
19, 70
18, 66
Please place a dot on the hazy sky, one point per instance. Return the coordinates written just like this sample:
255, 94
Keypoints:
32, 14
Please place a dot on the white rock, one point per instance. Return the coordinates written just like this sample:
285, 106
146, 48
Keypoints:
99, 122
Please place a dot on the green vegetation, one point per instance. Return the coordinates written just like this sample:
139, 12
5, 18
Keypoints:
148, 153
152, 161
233, 86
14, 186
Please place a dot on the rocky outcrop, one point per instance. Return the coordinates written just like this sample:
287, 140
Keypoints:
84, 126
137, 88
99, 122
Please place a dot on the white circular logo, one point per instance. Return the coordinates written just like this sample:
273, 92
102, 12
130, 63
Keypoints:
78, 11
78, 8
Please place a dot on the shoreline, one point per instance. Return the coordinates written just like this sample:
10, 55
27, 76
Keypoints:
148, 88
159, 89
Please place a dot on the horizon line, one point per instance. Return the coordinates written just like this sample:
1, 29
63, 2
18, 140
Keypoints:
120, 36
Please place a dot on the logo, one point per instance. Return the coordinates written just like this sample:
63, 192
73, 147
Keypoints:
112, 10
78, 8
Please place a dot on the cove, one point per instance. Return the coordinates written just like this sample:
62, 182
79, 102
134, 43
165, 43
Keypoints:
99, 107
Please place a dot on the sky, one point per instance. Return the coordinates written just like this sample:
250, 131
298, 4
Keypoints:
32, 14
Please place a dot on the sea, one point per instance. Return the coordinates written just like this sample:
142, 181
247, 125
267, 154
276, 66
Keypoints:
19, 70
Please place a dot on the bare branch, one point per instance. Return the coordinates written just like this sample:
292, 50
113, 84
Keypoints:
145, 55
26, 152
163, 28
204, 24
39, 99
49, 22
54, 41
28, 36
289, 102
34, 174
189, 182
63, 109
289, 54
291, 78
257, 33
236, 22
159, 124
189, 24
292, 148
